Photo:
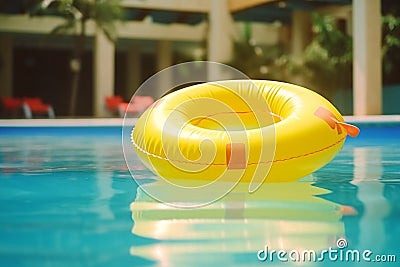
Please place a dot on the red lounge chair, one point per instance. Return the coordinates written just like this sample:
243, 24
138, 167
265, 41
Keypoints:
11, 103
11, 106
138, 106
35, 106
112, 103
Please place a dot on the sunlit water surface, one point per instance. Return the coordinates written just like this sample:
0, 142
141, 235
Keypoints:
68, 199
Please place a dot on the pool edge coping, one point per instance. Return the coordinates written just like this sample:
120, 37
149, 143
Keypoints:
78, 122
112, 122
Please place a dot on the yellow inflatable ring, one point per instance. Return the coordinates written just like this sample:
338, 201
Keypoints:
240, 129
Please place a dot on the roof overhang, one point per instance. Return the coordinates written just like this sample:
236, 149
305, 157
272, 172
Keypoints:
198, 6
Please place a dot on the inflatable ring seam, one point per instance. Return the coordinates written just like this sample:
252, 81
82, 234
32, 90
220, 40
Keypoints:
250, 163
237, 112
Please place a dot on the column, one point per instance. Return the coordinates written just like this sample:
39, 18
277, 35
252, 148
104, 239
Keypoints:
6, 66
300, 38
164, 60
133, 71
220, 46
367, 63
103, 56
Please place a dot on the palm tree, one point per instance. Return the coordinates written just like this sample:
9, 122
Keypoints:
76, 14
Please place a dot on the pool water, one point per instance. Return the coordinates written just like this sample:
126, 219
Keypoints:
68, 199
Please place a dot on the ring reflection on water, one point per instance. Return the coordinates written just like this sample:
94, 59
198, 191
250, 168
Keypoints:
282, 215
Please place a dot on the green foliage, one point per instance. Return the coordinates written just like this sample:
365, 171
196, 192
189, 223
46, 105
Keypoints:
325, 65
77, 12
327, 61
336, 43
259, 62
106, 13
391, 48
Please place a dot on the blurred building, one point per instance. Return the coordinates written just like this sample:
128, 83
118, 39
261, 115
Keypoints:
160, 33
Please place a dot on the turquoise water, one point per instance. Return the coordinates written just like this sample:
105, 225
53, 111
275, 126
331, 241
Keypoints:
67, 199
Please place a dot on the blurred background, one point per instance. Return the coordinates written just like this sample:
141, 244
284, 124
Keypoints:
73, 55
